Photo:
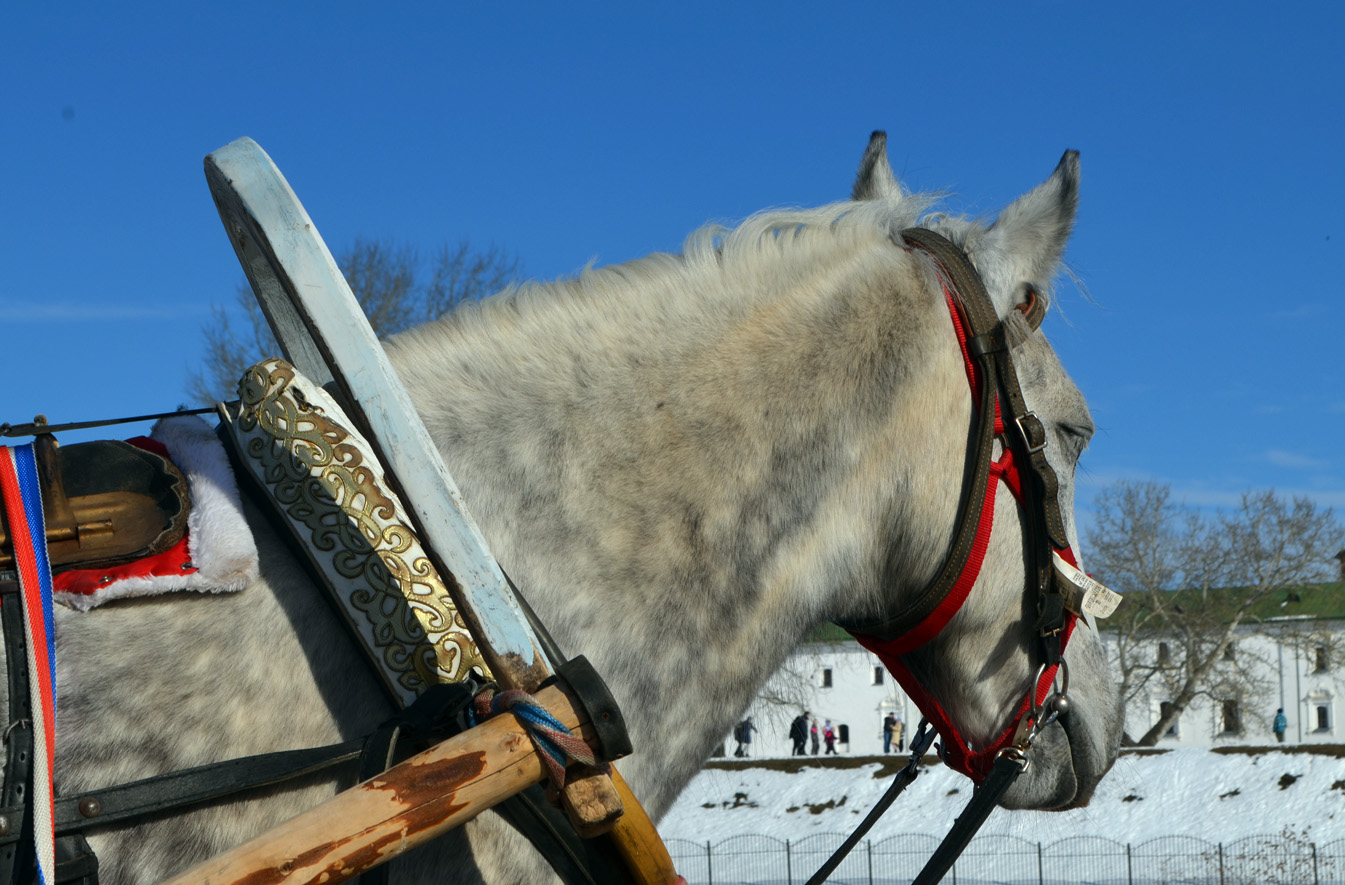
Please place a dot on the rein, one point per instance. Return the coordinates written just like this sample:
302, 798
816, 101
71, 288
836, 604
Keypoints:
1001, 414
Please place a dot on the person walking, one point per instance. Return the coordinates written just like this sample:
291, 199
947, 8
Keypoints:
743, 735
812, 729
798, 733
1281, 725
829, 736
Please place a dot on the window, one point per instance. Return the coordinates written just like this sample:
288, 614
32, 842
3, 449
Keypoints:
1319, 659
1164, 653
1163, 709
826, 677
1232, 723
1319, 712
878, 675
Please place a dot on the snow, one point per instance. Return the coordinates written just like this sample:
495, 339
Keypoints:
1219, 797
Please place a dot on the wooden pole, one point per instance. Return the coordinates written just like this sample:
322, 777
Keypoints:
393, 812
320, 326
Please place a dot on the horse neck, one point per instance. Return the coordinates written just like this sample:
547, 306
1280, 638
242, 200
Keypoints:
683, 504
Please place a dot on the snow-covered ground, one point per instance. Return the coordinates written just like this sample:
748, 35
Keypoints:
1216, 796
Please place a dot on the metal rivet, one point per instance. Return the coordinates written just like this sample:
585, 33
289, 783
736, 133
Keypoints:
186, 565
105, 579
4, 825
90, 807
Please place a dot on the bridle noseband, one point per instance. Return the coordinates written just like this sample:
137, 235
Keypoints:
1001, 413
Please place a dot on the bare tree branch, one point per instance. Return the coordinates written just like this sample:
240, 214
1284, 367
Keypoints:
1193, 584
392, 284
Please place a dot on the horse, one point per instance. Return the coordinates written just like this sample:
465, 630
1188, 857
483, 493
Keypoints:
687, 462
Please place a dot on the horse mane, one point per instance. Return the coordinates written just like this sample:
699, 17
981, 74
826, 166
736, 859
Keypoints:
721, 271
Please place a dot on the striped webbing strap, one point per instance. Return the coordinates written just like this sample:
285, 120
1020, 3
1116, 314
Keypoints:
21, 493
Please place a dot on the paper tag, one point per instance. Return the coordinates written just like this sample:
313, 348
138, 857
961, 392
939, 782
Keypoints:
1083, 595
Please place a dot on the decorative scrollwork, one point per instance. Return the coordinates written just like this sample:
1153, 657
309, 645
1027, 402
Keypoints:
325, 479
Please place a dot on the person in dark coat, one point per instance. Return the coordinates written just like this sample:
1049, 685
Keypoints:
798, 733
743, 735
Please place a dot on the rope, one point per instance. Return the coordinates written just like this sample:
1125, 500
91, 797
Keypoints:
557, 745
41, 426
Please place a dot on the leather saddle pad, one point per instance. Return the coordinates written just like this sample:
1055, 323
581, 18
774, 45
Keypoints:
124, 503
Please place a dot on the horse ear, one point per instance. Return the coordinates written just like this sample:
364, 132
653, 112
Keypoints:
875, 180
1033, 230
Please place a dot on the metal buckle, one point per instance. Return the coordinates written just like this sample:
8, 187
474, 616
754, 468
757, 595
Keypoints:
1017, 755
1027, 438
1057, 701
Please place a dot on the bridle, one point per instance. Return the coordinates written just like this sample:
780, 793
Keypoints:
1001, 414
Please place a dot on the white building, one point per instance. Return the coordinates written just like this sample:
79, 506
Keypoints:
1296, 663
1293, 663
837, 680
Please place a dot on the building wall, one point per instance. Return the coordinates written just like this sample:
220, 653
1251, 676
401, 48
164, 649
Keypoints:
1298, 667
861, 693
856, 698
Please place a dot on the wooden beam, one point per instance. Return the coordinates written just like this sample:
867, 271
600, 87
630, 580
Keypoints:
398, 810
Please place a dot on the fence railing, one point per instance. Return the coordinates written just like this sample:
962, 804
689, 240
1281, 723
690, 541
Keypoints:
1283, 859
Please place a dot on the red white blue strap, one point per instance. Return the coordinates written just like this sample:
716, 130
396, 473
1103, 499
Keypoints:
21, 493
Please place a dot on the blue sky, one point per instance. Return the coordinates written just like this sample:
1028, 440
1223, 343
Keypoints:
1210, 236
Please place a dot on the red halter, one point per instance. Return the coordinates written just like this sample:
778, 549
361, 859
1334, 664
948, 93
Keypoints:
957, 753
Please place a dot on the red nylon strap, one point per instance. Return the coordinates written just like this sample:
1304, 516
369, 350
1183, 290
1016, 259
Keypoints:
957, 754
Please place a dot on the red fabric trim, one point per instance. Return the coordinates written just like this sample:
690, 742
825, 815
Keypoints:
952, 603
176, 560
960, 330
956, 753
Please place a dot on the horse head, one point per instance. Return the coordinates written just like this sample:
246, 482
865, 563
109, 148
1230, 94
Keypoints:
972, 654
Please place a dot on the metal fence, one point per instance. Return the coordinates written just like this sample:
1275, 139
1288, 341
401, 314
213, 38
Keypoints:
1284, 859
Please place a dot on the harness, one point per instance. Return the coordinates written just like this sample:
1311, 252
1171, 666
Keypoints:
1001, 415
441, 711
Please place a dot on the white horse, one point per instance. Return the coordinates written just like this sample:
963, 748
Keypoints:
687, 462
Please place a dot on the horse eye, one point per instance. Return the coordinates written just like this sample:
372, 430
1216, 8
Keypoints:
1079, 431
1075, 437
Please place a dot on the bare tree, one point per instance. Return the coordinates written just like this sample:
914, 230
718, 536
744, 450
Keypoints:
392, 285
1192, 582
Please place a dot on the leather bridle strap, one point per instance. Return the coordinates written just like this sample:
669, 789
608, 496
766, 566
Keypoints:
987, 342
1040, 498
994, 383
925, 615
